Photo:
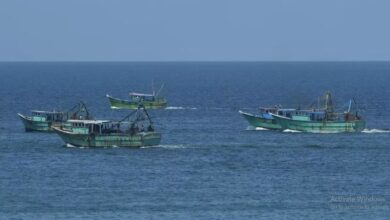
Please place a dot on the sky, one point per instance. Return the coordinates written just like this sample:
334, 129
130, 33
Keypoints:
194, 30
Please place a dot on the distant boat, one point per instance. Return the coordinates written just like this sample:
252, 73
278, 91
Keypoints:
147, 101
265, 119
44, 120
324, 120
127, 132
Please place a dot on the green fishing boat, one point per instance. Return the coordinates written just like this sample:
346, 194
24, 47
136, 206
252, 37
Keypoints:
322, 120
41, 120
149, 101
135, 130
44, 120
264, 120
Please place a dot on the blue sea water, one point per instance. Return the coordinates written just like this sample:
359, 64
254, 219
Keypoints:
209, 165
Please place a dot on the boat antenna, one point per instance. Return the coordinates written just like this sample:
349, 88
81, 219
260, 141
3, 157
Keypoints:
349, 106
328, 102
153, 87
158, 92
356, 104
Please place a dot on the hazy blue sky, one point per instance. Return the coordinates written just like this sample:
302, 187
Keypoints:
209, 30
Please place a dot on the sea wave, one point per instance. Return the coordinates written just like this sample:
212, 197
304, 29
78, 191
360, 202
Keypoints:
291, 131
167, 146
180, 108
261, 129
217, 108
251, 128
73, 146
313, 146
374, 130
69, 145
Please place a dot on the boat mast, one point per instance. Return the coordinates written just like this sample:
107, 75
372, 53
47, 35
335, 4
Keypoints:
158, 92
349, 106
328, 103
154, 93
78, 108
139, 113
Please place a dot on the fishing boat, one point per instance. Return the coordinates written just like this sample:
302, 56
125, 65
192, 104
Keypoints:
135, 130
44, 120
324, 120
265, 120
149, 101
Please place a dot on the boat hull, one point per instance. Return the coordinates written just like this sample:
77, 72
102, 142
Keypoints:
320, 126
41, 126
260, 122
110, 140
126, 104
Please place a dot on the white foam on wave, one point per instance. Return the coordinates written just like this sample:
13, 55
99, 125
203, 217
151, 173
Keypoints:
291, 131
70, 146
73, 146
167, 146
251, 128
179, 108
261, 129
374, 130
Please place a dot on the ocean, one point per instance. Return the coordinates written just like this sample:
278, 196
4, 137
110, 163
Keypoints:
210, 164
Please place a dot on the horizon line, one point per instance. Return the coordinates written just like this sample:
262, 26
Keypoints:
184, 61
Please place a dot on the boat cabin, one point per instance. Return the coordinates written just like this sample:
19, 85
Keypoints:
303, 115
269, 110
104, 127
142, 97
286, 112
266, 112
91, 126
47, 116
